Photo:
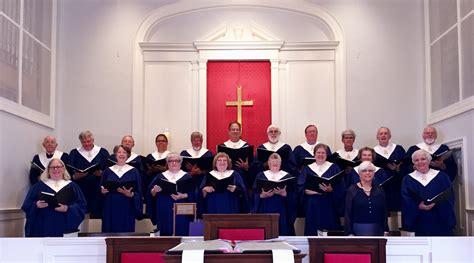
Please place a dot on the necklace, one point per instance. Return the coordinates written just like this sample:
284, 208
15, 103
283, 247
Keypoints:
366, 190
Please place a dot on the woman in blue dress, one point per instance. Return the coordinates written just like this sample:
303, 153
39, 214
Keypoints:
366, 154
121, 187
49, 220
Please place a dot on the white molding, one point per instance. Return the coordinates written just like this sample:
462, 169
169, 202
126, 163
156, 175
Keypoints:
450, 111
238, 45
325, 45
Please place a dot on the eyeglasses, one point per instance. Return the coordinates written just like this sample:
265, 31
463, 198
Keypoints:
367, 171
173, 161
55, 167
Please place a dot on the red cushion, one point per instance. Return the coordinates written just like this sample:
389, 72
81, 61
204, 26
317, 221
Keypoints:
241, 233
141, 257
344, 258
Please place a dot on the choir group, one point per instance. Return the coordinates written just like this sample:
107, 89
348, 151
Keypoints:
360, 186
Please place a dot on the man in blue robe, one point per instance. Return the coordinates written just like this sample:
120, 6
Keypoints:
305, 149
42, 159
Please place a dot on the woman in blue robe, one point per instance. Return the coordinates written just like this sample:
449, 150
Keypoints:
160, 204
322, 209
46, 220
365, 206
232, 198
277, 200
83, 157
366, 154
435, 219
121, 187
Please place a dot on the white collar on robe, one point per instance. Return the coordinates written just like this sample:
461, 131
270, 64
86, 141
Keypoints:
45, 160
196, 154
56, 185
348, 155
385, 151
273, 146
173, 177
132, 157
309, 147
320, 169
89, 155
275, 177
120, 170
430, 175
221, 175
429, 148
357, 169
235, 145
159, 156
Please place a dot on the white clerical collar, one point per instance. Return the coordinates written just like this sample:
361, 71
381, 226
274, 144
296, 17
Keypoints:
234, 145
357, 169
45, 160
320, 169
159, 156
385, 151
196, 154
275, 177
120, 170
132, 157
348, 155
89, 155
221, 175
429, 148
56, 185
426, 178
309, 147
173, 177
273, 146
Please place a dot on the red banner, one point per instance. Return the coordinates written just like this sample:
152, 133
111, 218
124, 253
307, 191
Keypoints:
223, 78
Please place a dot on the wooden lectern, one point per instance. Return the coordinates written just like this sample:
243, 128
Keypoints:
138, 249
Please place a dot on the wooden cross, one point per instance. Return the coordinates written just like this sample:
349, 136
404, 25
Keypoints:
239, 103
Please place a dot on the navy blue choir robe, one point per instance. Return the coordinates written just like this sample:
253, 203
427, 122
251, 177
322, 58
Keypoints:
42, 160
288, 165
394, 186
90, 184
451, 167
284, 206
322, 211
441, 219
353, 177
160, 209
303, 151
136, 161
225, 202
47, 222
152, 156
119, 212
201, 153
365, 209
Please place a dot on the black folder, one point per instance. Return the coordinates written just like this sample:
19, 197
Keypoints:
383, 162
150, 161
264, 154
313, 181
204, 163
37, 167
112, 186
341, 162
243, 153
269, 185
135, 164
440, 197
181, 186
219, 185
308, 160
91, 168
442, 156
387, 181
64, 196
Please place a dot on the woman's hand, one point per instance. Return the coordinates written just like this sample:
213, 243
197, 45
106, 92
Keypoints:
266, 194
125, 191
311, 192
231, 188
61, 208
424, 207
179, 196
156, 189
41, 204
243, 164
326, 188
280, 191
206, 190
103, 190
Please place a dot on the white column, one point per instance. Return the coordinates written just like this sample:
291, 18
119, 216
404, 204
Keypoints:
202, 117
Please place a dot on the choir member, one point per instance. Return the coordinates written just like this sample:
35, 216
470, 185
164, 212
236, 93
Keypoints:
365, 206
161, 142
277, 200
323, 208
275, 145
441, 156
160, 204
435, 219
45, 219
348, 152
196, 151
232, 198
366, 154
86, 156
121, 187
42, 159
395, 154
306, 149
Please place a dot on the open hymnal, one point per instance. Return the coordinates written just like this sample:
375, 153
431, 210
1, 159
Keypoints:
150, 161
244, 153
442, 156
181, 186
112, 186
341, 162
440, 197
264, 154
64, 196
134, 163
313, 181
203, 163
91, 168
37, 167
219, 185
383, 162
267, 185
226, 246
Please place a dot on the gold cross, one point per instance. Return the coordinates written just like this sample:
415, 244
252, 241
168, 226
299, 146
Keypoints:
239, 103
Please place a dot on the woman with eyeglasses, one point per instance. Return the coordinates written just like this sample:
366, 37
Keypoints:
55, 205
162, 197
366, 154
151, 161
366, 208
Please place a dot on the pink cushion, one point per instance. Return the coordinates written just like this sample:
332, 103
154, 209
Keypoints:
344, 258
241, 233
141, 257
